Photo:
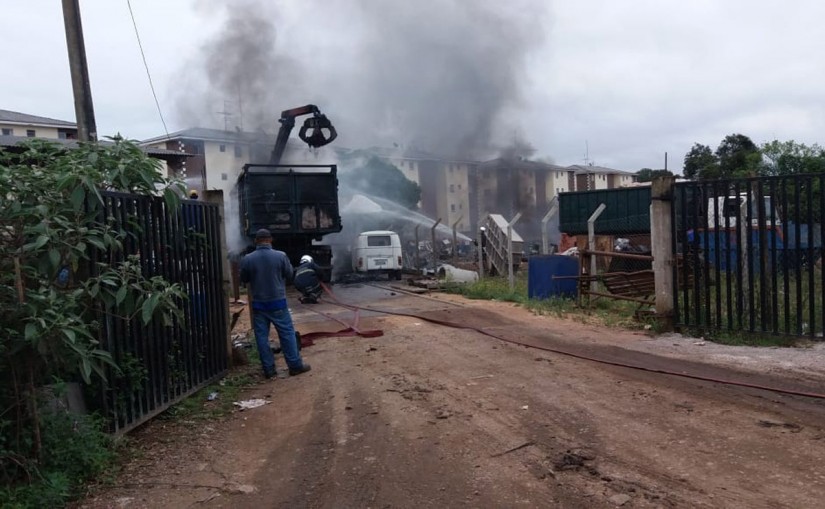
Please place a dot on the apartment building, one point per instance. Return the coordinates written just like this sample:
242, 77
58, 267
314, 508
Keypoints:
23, 125
217, 157
588, 178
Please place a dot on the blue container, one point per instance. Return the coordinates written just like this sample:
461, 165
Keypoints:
540, 282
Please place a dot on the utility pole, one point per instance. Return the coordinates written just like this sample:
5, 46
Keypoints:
83, 107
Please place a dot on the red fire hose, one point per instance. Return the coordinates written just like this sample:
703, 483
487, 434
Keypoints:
353, 331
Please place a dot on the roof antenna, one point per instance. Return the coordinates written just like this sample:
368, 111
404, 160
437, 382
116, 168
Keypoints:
226, 114
587, 154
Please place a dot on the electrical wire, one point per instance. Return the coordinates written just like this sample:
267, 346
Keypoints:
146, 65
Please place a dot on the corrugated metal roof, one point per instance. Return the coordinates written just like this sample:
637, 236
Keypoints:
12, 141
204, 133
24, 118
582, 170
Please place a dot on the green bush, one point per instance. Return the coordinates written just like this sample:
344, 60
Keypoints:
75, 450
63, 272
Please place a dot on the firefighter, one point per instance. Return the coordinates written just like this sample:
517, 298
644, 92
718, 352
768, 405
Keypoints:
308, 280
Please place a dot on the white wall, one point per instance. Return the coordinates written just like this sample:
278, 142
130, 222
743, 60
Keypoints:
39, 132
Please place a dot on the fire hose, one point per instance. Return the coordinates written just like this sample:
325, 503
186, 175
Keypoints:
352, 330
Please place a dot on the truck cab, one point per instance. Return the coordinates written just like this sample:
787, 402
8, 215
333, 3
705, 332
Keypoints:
378, 252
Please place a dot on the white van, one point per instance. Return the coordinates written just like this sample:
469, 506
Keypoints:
377, 252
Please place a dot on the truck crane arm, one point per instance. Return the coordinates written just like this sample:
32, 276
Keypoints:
312, 132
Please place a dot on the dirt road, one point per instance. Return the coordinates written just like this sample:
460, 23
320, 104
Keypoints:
428, 415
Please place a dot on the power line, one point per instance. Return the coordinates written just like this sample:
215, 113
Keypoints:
148, 74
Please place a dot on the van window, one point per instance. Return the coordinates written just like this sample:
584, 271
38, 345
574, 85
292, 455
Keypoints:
378, 241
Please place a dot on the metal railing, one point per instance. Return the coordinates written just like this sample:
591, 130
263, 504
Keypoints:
751, 250
162, 364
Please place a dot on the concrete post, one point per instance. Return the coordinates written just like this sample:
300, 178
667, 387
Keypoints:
510, 277
661, 232
435, 251
216, 197
591, 244
554, 209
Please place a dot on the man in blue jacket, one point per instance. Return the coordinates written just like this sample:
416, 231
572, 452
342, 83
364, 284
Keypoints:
267, 272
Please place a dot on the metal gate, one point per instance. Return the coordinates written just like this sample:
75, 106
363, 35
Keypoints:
162, 364
748, 255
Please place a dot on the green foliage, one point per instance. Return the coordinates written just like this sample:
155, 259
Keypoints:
700, 160
791, 158
382, 179
76, 449
738, 156
647, 174
63, 272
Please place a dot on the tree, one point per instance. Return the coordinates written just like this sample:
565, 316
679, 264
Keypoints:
791, 158
699, 160
382, 179
647, 174
738, 156
51, 300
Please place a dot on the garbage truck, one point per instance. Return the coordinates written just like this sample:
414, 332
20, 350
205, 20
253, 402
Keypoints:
298, 203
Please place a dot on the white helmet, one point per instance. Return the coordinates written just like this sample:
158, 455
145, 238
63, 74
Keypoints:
306, 259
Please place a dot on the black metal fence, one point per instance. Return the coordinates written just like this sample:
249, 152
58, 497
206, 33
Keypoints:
748, 255
161, 363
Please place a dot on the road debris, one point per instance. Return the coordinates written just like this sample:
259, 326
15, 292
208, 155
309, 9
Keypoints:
249, 404
212, 396
514, 449
620, 499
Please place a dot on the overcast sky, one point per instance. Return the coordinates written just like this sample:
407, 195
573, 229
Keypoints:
631, 79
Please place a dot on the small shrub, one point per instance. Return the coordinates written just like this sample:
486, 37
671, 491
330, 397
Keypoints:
75, 450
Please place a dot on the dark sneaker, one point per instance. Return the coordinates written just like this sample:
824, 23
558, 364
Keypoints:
298, 371
271, 374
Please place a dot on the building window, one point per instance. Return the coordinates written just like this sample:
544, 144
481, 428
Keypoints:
30, 133
452, 207
224, 176
222, 148
452, 188
8, 132
238, 151
459, 187
460, 206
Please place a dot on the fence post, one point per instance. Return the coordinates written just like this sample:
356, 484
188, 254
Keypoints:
661, 233
435, 251
417, 250
455, 238
554, 209
482, 231
591, 244
216, 197
510, 276
744, 232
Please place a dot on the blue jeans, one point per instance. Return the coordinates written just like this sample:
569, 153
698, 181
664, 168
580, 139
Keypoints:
282, 321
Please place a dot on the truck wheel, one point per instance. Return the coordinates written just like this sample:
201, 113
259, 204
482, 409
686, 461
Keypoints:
397, 275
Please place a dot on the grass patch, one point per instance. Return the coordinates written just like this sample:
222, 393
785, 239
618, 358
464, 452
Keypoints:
611, 313
747, 339
198, 407
228, 389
